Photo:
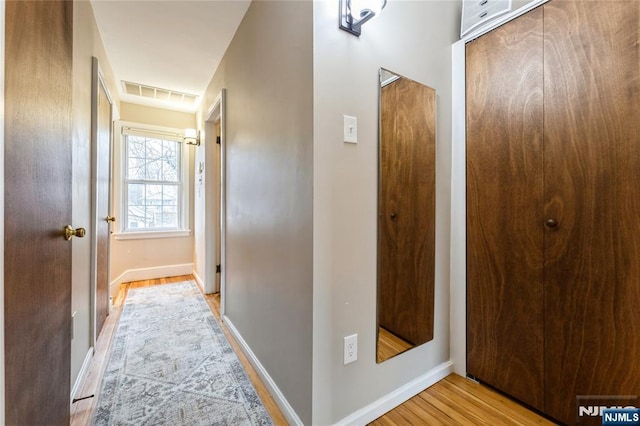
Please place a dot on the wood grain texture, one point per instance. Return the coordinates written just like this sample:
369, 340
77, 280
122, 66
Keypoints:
592, 147
406, 223
82, 411
103, 183
504, 208
390, 345
458, 401
37, 182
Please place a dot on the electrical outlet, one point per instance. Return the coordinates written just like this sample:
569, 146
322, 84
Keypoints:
350, 349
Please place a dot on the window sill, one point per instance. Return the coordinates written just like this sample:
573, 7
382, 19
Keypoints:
146, 235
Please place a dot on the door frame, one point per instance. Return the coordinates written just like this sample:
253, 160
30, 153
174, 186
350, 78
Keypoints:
215, 114
2, 383
97, 78
458, 266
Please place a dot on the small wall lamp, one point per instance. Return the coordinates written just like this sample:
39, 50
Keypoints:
354, 13
191, 137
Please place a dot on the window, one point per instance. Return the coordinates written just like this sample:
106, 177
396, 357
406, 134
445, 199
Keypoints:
154, 183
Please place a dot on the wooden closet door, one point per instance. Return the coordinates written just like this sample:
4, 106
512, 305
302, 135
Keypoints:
592, 175
504, 208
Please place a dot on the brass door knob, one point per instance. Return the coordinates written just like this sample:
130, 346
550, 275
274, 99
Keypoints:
70, 232
110, 219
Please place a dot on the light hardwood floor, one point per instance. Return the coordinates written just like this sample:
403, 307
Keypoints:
390, 345
458, 401
452, 401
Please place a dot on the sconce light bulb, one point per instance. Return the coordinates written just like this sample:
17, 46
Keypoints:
360, 8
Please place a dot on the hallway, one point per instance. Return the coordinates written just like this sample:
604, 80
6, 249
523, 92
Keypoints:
82, 411
452, 401
253, 167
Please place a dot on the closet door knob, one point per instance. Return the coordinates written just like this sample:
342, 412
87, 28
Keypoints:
393, 215
551, 223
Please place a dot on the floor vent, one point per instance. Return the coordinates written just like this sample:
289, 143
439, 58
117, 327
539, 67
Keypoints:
157, 93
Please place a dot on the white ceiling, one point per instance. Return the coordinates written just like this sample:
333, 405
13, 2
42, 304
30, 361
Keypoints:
175, 45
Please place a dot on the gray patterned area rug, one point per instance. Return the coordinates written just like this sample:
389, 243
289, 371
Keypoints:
170, 364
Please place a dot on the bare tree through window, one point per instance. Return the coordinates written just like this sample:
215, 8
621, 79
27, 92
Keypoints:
152, 183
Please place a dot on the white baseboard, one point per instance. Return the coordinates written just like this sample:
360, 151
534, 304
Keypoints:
388, 402
198, 280
149, 274
82, 374
275, 392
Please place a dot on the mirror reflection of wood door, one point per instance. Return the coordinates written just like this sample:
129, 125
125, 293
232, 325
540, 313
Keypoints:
406, 223
37, 203
103, 182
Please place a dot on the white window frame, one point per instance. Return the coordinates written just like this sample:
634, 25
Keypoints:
120, 179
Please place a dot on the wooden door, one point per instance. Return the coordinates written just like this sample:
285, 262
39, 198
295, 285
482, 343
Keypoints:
37, 193
504, 208
103, 193
406, 229
592, 174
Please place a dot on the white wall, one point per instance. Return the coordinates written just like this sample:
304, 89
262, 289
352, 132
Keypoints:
156, 116
268, 74
413, 39
151, 257
199, 226
86, 43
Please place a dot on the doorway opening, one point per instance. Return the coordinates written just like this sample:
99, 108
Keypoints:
215, 199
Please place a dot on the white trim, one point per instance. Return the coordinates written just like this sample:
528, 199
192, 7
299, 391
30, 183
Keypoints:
275, 392
458, 265
481, 22
169, 136
118, 190
82, 375
97, 81
503, 20
215, 114
198, 279
139, 274
146, 235
143, 126
209, 146
223, 201
2, 31
390, 401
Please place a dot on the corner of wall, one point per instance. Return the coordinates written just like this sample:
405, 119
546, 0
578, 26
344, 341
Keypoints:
2, 30
458, 211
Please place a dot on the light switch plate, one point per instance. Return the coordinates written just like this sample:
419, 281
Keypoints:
350, 129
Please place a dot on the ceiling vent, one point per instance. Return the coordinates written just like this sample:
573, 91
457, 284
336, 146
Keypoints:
157, 93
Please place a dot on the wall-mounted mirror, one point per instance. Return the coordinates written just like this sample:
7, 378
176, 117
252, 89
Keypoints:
406, 214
